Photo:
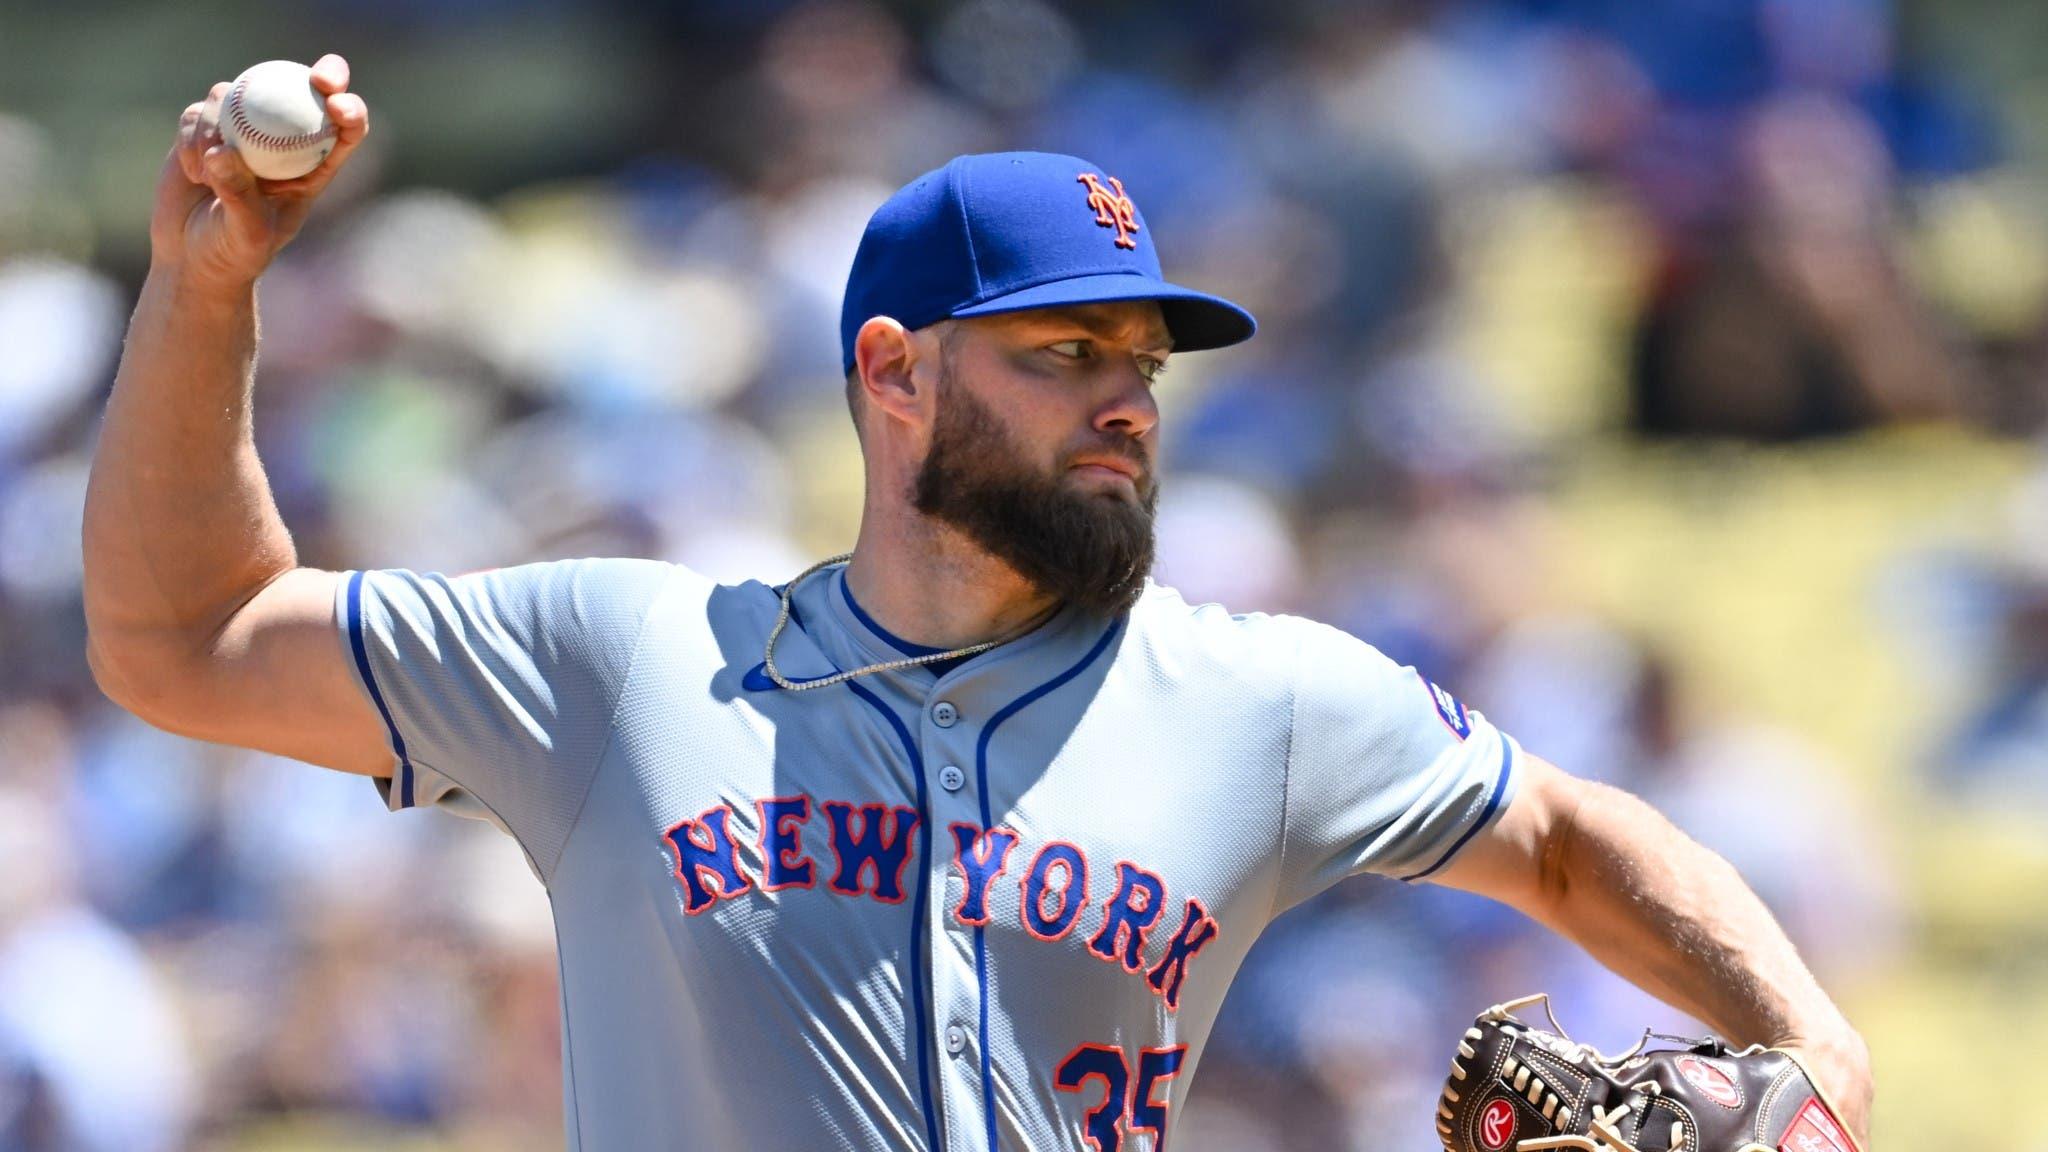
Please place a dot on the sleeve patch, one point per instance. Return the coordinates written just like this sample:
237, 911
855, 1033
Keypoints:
1450, 710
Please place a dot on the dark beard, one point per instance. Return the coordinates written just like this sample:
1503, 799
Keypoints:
1091, 551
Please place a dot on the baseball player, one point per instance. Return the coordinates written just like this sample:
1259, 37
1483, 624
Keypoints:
954, 842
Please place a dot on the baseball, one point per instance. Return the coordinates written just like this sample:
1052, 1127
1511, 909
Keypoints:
277, 120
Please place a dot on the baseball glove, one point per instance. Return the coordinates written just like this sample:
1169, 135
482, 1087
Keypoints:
1514, 1086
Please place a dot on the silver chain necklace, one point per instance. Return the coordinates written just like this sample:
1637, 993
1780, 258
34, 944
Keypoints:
782, 621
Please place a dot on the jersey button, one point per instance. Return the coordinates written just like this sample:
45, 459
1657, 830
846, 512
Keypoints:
943, 714
956, 1039
951, 778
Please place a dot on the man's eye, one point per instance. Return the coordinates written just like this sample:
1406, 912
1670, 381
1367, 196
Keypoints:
1072, 349
1153, 369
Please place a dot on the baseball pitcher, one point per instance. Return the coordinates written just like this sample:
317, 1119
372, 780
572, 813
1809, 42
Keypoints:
954, 842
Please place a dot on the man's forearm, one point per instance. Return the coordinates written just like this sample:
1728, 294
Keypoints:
180, 526
1677, 921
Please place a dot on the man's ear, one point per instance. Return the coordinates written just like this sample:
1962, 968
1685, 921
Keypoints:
888, 363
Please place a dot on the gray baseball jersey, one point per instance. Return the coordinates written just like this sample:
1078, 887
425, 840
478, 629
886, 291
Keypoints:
993, 907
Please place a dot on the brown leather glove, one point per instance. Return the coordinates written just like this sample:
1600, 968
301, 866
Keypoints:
1514, 1086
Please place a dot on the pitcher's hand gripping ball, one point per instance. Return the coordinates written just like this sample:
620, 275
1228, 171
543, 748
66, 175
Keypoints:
1521, 1088
277, 120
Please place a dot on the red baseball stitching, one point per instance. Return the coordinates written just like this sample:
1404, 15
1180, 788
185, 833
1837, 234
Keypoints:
268, 139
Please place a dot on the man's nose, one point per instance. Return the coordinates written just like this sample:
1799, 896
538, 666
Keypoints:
1131, 409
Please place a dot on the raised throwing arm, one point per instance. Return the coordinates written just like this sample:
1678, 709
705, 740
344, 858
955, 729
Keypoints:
199, 618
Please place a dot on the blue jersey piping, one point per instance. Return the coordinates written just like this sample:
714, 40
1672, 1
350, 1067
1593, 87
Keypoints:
988, 1086
936, 667
895, 641
917, 912
1500, 787
917, 906
362, 653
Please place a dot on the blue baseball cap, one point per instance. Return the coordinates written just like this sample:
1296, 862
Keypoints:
1006, 231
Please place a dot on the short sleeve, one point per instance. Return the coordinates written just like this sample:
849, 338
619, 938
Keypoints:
498, 688
1386, 772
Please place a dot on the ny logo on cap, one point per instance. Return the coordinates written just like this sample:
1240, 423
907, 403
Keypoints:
1113, 209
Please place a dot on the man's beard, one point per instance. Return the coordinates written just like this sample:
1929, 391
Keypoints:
1090, 550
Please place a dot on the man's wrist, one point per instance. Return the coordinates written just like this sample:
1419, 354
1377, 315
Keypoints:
1832, 1037
178, 284
1848, 1055
1839, 1066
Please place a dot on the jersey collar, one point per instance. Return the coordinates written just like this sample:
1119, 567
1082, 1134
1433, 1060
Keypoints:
868, 642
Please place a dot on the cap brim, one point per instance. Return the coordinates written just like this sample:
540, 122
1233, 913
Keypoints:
1196, 320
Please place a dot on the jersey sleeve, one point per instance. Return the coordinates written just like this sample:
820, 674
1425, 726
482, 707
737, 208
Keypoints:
498, 688
1386, 772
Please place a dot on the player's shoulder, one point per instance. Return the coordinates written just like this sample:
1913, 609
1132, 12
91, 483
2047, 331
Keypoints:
667, 576
1322, 669
601, 584
1165, 610
588, 595
695, 605
1272, 644
670, 588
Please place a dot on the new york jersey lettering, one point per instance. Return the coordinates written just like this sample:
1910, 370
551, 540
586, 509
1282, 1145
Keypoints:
870, 840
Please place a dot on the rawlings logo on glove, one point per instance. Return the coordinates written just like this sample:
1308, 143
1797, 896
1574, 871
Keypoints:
1520, 1088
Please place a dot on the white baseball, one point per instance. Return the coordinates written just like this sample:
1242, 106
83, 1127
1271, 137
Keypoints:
277, 120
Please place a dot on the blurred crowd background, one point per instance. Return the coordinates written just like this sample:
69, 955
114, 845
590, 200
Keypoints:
1668, 377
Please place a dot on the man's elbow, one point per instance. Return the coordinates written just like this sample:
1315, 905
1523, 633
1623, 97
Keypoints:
107, 673
1525, 857
1557, 812
1569, 802
152, 678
